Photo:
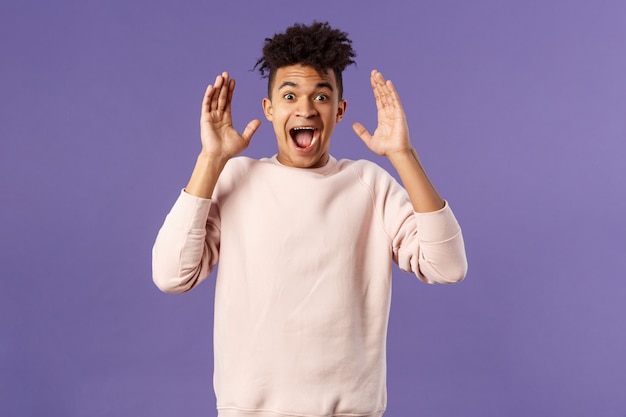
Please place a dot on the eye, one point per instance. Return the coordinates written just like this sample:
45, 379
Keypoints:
321, 97
289, 96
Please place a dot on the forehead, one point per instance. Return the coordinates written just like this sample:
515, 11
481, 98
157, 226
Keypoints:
303, 76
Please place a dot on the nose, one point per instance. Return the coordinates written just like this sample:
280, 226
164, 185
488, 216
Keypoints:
306, 108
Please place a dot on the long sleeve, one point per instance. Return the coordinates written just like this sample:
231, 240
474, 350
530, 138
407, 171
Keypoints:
428, 244
187, 245
441, 256
303, 290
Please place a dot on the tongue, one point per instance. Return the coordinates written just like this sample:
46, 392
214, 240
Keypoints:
303, 138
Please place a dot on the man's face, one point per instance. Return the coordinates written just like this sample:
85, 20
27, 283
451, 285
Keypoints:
304, 107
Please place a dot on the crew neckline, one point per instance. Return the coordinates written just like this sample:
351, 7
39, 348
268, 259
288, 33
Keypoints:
327, 168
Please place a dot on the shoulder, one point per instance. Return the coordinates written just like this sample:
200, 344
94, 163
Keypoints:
358, 165
236, 172
241, 166
367, 171
239, 163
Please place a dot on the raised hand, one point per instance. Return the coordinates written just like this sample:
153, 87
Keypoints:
220, 141
392, 133
219, 138
391, 139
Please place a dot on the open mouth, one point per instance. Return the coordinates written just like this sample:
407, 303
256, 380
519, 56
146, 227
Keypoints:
303, 137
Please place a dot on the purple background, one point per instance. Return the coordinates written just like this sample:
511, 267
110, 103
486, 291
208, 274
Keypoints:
518, 110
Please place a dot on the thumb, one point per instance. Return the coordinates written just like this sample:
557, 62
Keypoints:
361, 132
250, 129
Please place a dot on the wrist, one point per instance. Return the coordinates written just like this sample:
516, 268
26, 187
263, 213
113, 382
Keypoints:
211, 161
403, 156
205, 174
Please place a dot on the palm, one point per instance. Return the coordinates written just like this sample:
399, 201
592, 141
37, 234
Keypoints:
218, 136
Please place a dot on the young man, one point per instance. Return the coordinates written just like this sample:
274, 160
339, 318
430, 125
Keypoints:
305, 242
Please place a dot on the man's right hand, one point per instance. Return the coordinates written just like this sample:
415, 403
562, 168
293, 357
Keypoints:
220, 141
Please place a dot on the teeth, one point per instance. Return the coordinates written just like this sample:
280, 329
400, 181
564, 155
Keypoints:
300, 128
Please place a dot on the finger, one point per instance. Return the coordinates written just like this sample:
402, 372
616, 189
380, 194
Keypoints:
394, 98
381, 94
206, 100
377, 79
385, 85
250, 129
229, 98
222, 97
217, 85
361, 132
385, 92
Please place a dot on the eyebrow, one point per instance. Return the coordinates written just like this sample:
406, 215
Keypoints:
317, 86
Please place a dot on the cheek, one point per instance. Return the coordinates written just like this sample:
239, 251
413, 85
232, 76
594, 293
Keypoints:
331, 118
279, 119
279, 125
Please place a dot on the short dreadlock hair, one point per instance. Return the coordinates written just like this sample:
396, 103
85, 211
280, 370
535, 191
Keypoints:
318, 45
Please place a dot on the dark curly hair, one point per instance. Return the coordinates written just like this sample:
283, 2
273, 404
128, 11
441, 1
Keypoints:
318, 45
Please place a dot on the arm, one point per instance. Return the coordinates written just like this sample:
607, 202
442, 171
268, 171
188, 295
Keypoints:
440, 254
187, 246
220, 141
391, 139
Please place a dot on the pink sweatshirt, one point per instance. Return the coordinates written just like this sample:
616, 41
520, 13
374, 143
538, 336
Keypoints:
304, 280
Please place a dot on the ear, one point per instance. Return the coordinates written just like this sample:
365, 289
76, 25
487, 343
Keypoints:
341, 110
267, 109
